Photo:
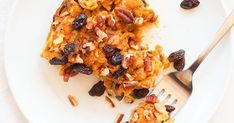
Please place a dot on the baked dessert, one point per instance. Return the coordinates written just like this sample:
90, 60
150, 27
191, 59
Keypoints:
104, 38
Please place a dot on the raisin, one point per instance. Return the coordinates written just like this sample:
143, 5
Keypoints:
79, 21
58, 61
175, 56
69, 48
108, 50
169, 108
189, 4
140, 93
116, 58
98, 89
121, 71
179, 65
79, 68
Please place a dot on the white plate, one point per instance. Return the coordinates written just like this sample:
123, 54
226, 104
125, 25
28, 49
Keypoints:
42, 95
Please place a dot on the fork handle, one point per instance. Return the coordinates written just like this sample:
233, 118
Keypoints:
220, 34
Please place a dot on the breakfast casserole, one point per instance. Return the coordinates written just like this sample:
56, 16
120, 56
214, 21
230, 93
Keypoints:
104, 38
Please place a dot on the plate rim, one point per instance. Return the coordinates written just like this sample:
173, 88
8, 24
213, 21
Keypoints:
6, 32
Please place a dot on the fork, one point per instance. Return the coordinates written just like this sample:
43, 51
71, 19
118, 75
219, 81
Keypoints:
175, 88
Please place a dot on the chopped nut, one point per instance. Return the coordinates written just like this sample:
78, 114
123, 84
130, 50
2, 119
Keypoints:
64, 14
127, 61
90, 46
105, 72
147, 64
152, 99
111, 21
138, 21
79, 59
134, 45
72, 100
119, 118
101, 20
135, 117
129, 100
128, 85
101, 35
110, 101
148, 114
91, 23
114, 40
88, 4
129, 77
58, 40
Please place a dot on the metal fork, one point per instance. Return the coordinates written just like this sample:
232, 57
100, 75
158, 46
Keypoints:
175, 88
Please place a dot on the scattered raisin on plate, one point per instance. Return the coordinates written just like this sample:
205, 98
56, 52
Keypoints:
98, 89
169, 108
189, 4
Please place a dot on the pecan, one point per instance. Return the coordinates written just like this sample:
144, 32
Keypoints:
111, 21
147, 64
101, 20
124, 15
138, 21
101, 35
129, 85
128, 60
114, 40
152, 98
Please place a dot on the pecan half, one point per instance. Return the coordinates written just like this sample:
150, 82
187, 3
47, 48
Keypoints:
124, 15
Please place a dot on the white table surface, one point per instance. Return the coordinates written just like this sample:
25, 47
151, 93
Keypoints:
10, 113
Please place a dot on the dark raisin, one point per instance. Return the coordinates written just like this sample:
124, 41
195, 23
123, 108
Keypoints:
140, 93
189, 4
179, 65
108, 50
98, 89
79, 21
170, 108
80, 68
175, 56
58, 61
121, 71
116, 58
69, 48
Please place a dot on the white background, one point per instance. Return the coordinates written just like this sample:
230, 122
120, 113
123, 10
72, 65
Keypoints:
9, 112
